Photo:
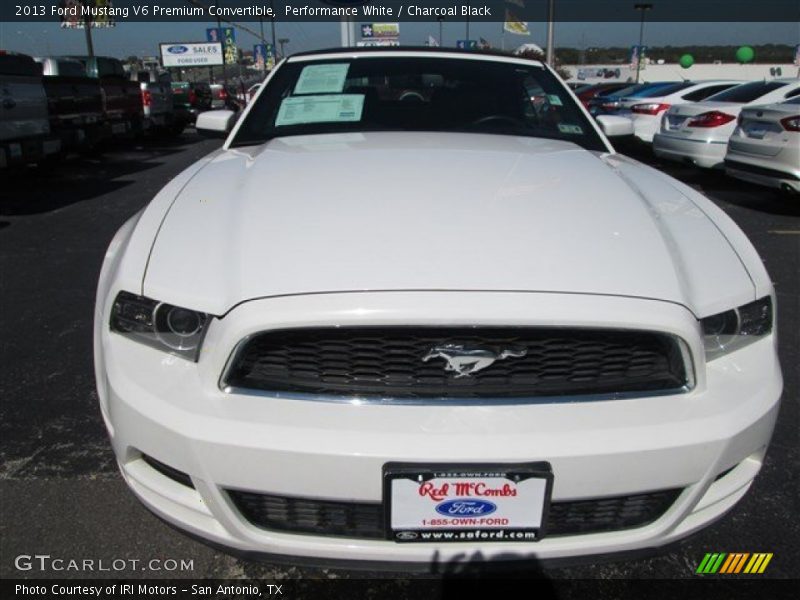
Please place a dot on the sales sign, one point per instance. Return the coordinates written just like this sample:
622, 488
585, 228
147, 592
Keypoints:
191, 54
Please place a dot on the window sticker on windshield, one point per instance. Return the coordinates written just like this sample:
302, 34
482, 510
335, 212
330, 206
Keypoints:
554, 100
567, 128
322, 79
299, 110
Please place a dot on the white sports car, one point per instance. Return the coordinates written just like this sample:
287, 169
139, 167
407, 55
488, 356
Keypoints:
406, 313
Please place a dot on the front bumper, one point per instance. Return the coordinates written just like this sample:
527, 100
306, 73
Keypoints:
174, 411
702, 152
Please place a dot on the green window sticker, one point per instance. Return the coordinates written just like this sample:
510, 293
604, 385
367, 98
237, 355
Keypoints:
339, 108
322, 79
555, 100
568, 128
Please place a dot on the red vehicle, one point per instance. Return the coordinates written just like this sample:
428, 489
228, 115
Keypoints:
224, 97
598, 89
122, 98
74, 103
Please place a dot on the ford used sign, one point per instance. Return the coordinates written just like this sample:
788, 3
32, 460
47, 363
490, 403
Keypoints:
191, 54
464, 506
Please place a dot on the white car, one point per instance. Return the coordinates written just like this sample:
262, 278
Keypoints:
765, 147
435, 328
698, 133
647, 110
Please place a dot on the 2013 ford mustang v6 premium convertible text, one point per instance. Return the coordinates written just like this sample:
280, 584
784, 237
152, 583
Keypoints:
416, 307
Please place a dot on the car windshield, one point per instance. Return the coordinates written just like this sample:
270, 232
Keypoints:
747, 92
417, 93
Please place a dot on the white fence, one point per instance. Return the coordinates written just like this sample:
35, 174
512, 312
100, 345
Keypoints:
674, 72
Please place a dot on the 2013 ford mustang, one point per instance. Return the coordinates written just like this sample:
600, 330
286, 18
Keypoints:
417, 306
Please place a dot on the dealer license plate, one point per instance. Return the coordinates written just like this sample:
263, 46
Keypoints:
755, 130
466, 503
675, 121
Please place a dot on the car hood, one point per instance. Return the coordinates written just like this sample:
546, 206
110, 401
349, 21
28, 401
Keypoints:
423, 211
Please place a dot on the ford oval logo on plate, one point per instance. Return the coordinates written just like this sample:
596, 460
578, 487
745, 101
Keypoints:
177, 49
465, 507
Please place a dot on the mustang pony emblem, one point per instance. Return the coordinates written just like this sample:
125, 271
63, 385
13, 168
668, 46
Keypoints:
465, 360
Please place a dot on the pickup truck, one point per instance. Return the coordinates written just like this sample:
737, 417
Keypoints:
159, 112
75, 103
122, 99
25, 135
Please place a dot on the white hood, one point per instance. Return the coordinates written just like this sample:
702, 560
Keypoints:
422, 211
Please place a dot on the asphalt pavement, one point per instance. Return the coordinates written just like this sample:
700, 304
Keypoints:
60, 492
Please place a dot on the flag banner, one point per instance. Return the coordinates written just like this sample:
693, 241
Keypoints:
484, 44
231, 52
433, 42
514, 25
380, 30
261, 55
637, 57
75, 13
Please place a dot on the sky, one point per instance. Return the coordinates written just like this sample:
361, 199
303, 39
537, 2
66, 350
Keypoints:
142, 39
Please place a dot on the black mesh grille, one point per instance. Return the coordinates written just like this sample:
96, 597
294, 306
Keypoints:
388, 362
366, 520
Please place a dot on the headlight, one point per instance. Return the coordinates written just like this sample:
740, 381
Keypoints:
170, 328
733, 329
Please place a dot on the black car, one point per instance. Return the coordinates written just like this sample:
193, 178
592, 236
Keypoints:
190, 99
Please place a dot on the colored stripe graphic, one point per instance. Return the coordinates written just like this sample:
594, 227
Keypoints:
741, 562
715, 567
758, 563
701, 568
711, 563
734, 563
732, 558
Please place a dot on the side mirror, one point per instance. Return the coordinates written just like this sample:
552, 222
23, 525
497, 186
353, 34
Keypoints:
614, 126
215, 123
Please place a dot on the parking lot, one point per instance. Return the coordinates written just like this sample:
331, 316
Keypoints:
61, 492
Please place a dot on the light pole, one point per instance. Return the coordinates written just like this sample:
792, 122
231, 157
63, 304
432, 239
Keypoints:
642, 8
221, 34
468, 25
283, 42
87, 28
441, 24
551, 10
272, 20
